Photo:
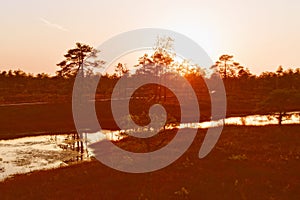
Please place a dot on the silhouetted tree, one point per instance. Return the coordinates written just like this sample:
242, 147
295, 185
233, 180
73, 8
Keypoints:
75, 60
163, 58
159, 62
279, 71
121, 69
226, 67
243, 73
278, 102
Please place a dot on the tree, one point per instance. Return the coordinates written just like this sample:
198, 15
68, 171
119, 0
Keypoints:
278, 102
158, 63
243, 73
280, 71
121, 70
78, 58
161, 59
226, 67
163, 51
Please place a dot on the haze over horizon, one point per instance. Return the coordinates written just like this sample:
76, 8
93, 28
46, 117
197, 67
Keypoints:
261, 35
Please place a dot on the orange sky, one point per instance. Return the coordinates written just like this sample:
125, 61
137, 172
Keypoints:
261, 35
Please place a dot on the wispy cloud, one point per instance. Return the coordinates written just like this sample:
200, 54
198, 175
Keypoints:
50, 24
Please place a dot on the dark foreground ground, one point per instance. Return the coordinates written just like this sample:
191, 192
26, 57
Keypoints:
247, 163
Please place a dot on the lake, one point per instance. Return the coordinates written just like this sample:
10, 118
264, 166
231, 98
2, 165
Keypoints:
28, 154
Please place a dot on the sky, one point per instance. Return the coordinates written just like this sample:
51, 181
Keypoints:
35, 34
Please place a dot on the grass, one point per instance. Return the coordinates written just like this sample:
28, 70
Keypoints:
247, 163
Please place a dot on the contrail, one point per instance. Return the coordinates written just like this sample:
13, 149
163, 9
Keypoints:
48, 23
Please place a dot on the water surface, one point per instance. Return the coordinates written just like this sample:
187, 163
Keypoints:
51, 151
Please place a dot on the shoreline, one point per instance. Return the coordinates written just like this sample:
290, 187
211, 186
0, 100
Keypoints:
33, 134
247, 156
40, 133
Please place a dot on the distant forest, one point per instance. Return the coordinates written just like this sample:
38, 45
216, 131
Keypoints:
247, 93
17, 86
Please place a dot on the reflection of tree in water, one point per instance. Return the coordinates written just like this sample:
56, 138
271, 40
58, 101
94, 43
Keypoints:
277, 103
1, 168
31, 156
73, 146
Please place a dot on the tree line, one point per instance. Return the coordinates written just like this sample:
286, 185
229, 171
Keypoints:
246, 92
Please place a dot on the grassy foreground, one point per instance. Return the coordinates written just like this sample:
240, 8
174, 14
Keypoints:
247, 163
